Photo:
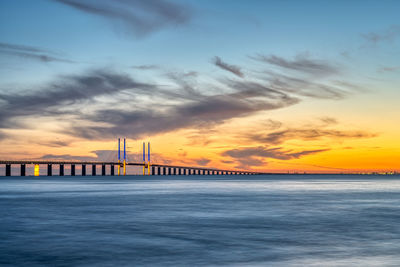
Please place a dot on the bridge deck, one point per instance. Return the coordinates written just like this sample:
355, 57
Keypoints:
53, 162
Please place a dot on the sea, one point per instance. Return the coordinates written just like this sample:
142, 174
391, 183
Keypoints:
262, 220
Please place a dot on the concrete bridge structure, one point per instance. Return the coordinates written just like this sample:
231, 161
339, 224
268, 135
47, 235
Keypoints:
148, 167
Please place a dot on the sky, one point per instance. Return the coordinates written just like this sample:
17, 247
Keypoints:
272, 86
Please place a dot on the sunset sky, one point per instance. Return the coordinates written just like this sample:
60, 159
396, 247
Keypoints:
258, 85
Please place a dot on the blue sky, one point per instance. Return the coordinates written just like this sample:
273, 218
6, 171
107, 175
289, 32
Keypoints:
230, 29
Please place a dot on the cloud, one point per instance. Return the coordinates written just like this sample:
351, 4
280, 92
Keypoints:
100, 155
255, 156
329, 120
388, 35
30, 52
205, 111
146, 67
67, 157
2, 135
228, 67
66, 91
104, 103
202, 161
389, 69
139, 17
301, 63
55, 143
308, 134
304, 76
263, 152
306, 87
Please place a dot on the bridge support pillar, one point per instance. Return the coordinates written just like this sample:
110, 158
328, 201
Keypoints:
103, 170
174, 171
94, 170
8, 169
153, 170
72, 169
83, 170
61, 169
112, 170
23, 169
179, 171
49, 169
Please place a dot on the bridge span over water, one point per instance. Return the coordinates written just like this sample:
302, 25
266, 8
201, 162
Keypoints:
149, 168
115, 168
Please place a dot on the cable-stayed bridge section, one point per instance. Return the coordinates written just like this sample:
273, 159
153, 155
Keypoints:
112, 168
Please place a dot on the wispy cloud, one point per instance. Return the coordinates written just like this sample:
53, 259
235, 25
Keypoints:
305, 86
274, 153
104, 103
329, 120
139, 17
30, 52
255, 156
228, 67
388, 69
205, 111
55, 143
202, 161
146, 67
68, 90
388, 35
301, 63
307, 134
99, 155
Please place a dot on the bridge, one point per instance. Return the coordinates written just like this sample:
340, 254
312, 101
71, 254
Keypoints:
149, 168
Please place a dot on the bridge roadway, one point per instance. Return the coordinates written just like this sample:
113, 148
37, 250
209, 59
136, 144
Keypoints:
155, 169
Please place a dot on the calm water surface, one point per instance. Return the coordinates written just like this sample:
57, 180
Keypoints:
169, 221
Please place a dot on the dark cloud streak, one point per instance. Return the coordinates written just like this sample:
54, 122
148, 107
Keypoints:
140, 17
301, 63
228, 67
29, 52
